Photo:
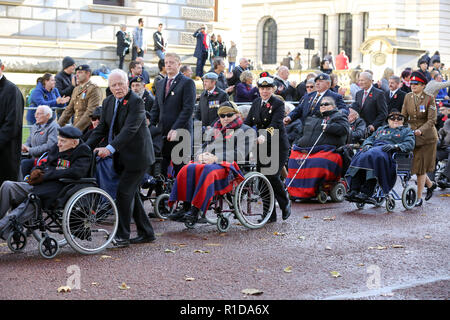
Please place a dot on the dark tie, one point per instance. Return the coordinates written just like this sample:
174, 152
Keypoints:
168, 85
110, 134
315, 102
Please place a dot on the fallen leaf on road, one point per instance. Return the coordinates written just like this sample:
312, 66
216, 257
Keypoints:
201, 251
159, 234
169, 251
427, 237
105, 257
181, 245
223, 234
64, 289
445, 195
276, 233
360, 264
124, 286
189, 279
306, 217
213, 244
3, 244
252, 292
57, 260
301, 238
335, 274
288, 269
329, 218
95, 283
397, 246
327, 248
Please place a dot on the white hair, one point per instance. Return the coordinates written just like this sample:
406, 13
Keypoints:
46, 109
120, 73
366, 75
289, 107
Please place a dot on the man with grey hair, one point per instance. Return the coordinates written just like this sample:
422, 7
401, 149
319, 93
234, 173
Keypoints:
130, 147
235, 77
11, 119
394, 97
123, 44
370, 103
284, 87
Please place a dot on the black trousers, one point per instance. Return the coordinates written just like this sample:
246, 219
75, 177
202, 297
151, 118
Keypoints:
135, 54
201, 64
121, 60
359, 183
167, 157
129, 204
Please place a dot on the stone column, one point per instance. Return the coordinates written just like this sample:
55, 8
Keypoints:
357, 37
333, 30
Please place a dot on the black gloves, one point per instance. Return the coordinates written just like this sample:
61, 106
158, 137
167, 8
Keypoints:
389, 147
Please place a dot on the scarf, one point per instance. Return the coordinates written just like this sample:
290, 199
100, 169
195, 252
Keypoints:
204, 40
221, 130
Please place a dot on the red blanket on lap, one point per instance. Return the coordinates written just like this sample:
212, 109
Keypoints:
199, 183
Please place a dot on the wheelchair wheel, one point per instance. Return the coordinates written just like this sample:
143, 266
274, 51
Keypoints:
338, 193
254, 201
409, 197
224, 223
48, 247
17, 241
90, 220
322, 197
390, 204
360, 205
162, 209
379, 201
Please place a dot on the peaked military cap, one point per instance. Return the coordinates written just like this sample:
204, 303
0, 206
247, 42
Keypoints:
70, 132
418, 77
211, 76
83, 67
322, 76
265, 80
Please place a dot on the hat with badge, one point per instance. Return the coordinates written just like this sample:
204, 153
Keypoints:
211, 76
139, 79
418, 77
83, 67
265, 80
70, 132
322, 76
227, 107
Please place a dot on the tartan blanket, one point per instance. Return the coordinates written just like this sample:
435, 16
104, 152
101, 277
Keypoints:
199, 183
323, 165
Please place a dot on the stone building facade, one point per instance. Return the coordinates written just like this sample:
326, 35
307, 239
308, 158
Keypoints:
374, 34
36, 34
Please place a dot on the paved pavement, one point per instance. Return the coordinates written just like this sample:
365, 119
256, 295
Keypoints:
331, 251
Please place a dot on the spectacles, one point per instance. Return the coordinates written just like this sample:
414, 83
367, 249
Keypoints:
226, 115
95, 118
394, 118
310, 87
325, 104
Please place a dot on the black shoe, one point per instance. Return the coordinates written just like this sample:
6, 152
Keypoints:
152, 215
361, 197
430, 191
192, 216
419, 203
177, 216
351, 196
121, 243
286, 212
443, 183
142, 239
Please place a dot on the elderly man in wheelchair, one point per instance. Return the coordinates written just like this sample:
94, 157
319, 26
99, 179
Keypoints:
215, 171
374, 163
67, 171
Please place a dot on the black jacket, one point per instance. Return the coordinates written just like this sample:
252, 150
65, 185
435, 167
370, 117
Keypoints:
357, 131
123, 45
335, 134
288, 92
158, 41
11, 119
208, 105
374, 111
396, 102
174, 111
131, 136
64, 84
148, 101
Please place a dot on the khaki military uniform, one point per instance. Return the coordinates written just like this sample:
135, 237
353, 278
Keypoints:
421, 114
85, 99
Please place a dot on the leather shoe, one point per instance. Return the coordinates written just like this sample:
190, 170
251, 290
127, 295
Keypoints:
419, 203
443, 183
142, 239
191, 216
430, 191
176, 216
287, 211
121, 243
351, 196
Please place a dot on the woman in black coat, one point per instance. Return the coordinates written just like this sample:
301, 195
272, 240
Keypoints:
267, 114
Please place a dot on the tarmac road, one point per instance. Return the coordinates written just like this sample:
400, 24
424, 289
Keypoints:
355, 255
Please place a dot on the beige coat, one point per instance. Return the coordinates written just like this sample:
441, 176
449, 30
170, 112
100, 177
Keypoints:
85, 99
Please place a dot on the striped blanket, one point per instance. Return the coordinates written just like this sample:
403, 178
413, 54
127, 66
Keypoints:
323, 165
199, 183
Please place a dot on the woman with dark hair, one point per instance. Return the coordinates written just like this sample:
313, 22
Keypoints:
405, 85
325, 67
47, 94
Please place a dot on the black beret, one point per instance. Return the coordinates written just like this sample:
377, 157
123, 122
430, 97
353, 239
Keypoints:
83, 67
70, 132
97, 113
139, 79
418, 77
323, 76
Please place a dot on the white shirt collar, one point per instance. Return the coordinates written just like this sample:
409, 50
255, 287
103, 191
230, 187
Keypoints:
368, 90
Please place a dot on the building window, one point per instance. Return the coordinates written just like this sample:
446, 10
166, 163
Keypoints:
119, 3
365, 25
269, 49
325, 35
345, 34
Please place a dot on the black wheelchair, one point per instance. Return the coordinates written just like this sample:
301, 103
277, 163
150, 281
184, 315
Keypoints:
408, 196
250, 202
84, 214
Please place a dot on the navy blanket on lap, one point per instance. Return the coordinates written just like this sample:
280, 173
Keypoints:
378, 164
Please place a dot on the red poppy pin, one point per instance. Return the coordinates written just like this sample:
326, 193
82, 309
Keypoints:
268, 105
370, 95
125, 102
215, 92
395, 97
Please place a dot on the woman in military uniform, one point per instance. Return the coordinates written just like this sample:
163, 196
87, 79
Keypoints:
419, 109
267, 113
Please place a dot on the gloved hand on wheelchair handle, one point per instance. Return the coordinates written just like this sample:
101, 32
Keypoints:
389, 147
